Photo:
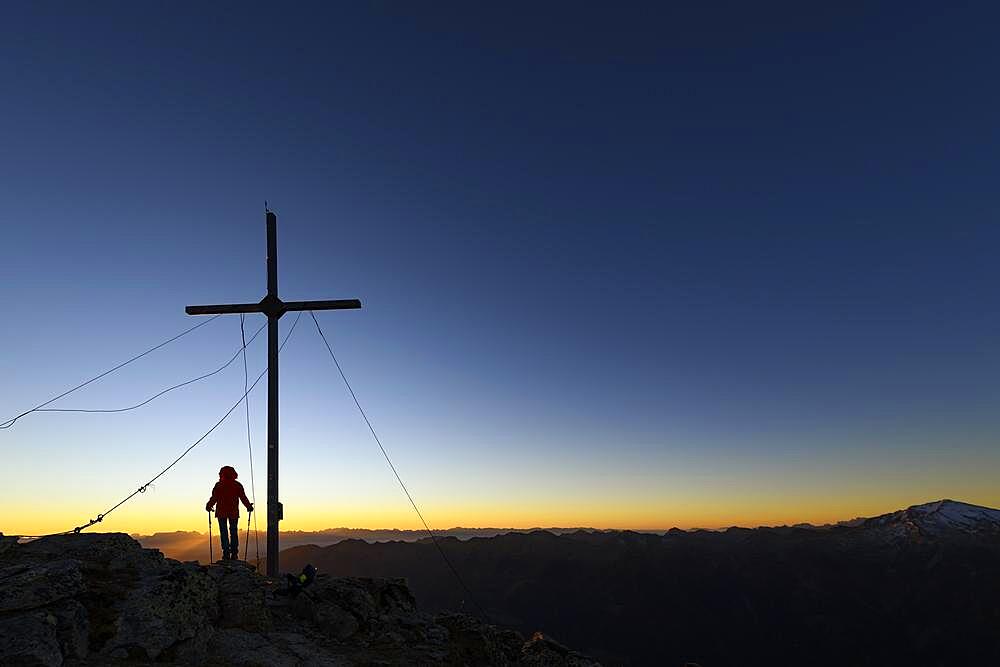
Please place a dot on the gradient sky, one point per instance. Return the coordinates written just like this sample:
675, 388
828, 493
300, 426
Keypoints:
643, 267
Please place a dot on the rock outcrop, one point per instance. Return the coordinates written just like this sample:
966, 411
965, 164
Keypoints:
95, 599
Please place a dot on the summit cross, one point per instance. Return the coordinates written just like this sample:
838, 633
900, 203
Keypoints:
274, 308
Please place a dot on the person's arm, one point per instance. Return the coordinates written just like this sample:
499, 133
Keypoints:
214, 499
246, 501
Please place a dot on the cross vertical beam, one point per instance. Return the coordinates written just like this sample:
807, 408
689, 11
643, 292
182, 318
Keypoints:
272, 306
274, 509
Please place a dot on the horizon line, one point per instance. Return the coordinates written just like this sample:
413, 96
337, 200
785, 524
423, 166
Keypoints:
579, 528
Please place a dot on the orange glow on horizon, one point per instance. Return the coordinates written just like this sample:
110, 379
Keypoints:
151, 518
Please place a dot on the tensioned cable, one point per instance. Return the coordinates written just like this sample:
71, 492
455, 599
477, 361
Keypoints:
10, 422
416, 509
142, 489
168, 389
253, 487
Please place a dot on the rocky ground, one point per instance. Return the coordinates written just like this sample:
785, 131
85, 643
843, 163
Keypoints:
96, 599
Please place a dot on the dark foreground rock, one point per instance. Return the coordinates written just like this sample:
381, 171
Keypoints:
95, 599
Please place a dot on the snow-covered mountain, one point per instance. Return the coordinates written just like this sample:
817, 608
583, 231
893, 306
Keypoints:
938, 519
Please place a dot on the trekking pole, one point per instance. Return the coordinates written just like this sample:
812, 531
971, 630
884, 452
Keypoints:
211, 553
246, 542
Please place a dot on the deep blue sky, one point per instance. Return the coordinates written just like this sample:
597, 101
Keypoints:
644, 266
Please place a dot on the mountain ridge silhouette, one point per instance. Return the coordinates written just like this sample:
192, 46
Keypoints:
820, 595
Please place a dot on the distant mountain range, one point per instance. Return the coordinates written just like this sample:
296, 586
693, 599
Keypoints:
193, 545
920, 586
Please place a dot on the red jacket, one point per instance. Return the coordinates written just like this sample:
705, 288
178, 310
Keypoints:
225, 495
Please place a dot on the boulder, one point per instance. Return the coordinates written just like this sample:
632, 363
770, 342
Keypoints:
31, 585
72, 628
107, 552
541, 651
473, 642
242, 600
337, 623
7, 542
240, 648
29, 639
193, 651
163, 608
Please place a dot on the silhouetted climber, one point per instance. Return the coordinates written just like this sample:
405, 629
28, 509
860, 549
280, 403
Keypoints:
225, 494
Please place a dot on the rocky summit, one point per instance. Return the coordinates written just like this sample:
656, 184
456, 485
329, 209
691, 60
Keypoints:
96, 599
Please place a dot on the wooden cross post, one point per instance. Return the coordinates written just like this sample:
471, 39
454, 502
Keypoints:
274, 308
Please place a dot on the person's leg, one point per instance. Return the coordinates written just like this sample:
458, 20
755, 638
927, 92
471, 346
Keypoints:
234, 537
224, 537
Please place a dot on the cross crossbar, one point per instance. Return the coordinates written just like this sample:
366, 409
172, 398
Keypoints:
281, 306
